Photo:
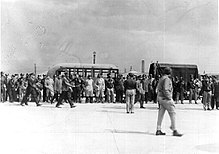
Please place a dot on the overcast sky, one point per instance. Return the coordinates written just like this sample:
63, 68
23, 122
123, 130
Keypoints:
122, 32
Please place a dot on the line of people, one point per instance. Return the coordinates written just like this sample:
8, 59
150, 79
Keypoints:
205, 88
74, 88
46, 89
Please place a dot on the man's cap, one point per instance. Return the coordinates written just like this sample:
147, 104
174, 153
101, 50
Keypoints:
131, 74
167, 70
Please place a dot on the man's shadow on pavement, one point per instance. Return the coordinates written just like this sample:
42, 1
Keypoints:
136, 132
129, 132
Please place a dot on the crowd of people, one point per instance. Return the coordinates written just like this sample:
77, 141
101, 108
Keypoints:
74, 88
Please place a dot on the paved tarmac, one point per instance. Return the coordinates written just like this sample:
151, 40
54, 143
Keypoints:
105, 129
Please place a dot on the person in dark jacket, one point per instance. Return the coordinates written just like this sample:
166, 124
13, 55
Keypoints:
79, 84
66, 91
32, 89
130, 91
109, 89
119, 88
180, 90
192, 90
11, 89
216, 94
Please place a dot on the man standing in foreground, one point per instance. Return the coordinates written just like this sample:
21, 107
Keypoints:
165, 93
130, 91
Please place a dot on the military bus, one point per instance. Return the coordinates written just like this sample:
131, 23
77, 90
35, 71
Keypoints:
84, 69
180, 70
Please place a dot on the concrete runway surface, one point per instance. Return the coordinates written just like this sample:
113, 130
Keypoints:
105, 129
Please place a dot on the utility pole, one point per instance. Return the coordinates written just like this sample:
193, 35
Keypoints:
142, 66
131, 68
35, 69
94, 57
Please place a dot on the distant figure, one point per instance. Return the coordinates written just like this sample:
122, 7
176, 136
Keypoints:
66, 91
89, 89
192, 90
49, 84
130, 91
216, 94
140, 93
22, 86
165, 99
119, 88
206, 87
3, 84
57, 87
100, 88
110, 89
180, 90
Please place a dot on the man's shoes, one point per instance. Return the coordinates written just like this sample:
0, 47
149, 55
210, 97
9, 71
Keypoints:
127, 112
22, 104
209, 109
160, 133
132, 112
72, 106
176, 133
142, 107
26, 104
39, 104
58, 107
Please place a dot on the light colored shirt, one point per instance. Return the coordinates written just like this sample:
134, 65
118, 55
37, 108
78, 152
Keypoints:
165, 88
89, 84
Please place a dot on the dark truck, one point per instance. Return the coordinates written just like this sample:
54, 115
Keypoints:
180, 70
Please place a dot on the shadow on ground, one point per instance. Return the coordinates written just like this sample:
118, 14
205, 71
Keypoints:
208, 147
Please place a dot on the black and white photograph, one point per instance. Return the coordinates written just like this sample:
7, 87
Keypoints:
109, 77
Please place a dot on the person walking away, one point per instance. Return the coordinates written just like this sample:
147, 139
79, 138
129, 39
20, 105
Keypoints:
130, 92
31, 90
165, 99
89, 89
66, 92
